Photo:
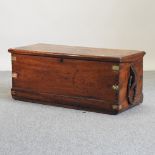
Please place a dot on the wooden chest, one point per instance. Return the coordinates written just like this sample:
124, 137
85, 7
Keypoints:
95, 79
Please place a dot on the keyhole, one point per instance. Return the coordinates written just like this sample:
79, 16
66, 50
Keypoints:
61, 60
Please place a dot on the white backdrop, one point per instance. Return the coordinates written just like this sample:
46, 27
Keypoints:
123, 24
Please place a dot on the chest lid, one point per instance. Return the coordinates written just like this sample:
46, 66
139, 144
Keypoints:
75, 52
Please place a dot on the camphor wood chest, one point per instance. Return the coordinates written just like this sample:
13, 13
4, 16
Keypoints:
95, 79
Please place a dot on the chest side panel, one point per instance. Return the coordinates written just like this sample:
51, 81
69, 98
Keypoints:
80, 78
136, 93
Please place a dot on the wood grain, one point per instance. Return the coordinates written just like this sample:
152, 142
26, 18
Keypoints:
75, 52
75, 83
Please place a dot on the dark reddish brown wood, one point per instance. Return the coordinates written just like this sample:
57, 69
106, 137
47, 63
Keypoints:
77, 77
86, 53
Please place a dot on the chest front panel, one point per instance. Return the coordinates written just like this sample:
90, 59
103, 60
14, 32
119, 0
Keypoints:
69, 77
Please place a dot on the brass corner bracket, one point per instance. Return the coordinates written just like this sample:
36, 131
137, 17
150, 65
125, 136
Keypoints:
13, 58
115, 67
14, 75
13, 92
115, 87
116, 107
